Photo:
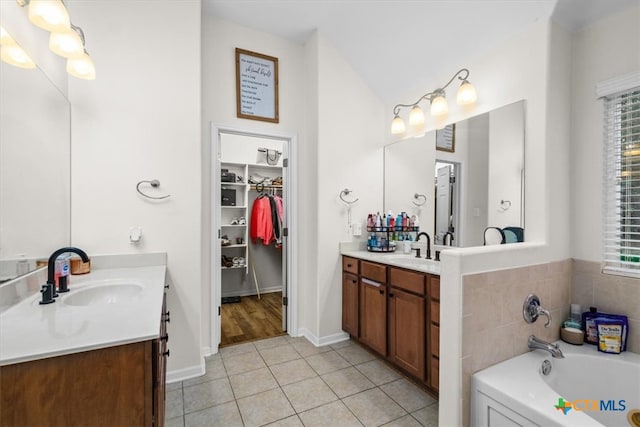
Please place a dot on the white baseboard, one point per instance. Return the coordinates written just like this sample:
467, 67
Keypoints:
318, 342
186, 373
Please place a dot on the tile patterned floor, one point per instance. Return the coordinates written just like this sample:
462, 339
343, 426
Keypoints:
287, 381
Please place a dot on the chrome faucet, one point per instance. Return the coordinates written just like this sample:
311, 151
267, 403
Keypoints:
536, 343
49, 289
428, 243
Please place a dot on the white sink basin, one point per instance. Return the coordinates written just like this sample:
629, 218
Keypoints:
115, 293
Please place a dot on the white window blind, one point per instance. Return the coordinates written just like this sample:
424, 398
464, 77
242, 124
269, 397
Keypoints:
621, 198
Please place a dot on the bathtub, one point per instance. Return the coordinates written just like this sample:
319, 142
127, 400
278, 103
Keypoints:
601, 388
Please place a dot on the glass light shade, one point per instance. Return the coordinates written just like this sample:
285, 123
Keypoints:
466, 94
15, 55
5, 38
66, 43
439, 106
50, 15
416, 116
397, 125
82, 68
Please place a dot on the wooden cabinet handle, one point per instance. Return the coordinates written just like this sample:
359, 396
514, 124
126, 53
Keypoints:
167, 353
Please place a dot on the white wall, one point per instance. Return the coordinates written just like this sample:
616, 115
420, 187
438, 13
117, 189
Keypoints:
219, 40
139, 120
338, 122
351, 124
608, 48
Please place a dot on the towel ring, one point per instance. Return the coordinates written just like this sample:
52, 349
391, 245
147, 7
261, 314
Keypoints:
154, 184
505, 205
346, 192
417, 197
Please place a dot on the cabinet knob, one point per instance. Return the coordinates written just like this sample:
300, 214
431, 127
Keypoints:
165, 338
354, 281
166, 286
349, 265
390, 295
381, 292
167, 353
167, 317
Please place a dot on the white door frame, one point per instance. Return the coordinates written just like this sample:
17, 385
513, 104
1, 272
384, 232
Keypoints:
290, 175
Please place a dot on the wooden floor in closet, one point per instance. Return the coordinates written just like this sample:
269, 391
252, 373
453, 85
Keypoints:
252, 319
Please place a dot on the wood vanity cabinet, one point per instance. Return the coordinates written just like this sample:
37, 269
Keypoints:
350, 296
373, 306
407, 320
121, 385
396, 313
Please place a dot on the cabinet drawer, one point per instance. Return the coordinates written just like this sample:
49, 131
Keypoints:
370, 270
434, 287
350, 264
434, 341
407, 280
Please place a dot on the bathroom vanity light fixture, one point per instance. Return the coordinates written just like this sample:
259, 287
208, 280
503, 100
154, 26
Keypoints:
12, 53
50, 15
439, 106
81, 66
66, 39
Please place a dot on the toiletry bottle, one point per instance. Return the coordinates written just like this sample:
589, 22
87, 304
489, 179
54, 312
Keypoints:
589, 325
378, 221
399, 222
370, 220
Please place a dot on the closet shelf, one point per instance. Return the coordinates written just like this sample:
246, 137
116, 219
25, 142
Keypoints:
233, 207
234, 246
233, 225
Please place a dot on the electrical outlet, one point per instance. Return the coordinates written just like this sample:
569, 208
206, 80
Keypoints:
356, 228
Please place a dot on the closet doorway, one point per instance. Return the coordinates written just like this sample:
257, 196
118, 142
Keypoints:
251, 236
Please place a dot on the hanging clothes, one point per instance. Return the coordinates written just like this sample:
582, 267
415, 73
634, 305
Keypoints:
261, 221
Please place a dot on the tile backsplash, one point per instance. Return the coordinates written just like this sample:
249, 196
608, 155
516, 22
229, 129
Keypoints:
609, 294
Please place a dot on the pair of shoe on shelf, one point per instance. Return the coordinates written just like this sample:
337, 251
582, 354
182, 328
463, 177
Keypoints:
238, 221
236, 261
224, 240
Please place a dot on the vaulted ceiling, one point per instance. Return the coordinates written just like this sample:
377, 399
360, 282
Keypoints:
393, 44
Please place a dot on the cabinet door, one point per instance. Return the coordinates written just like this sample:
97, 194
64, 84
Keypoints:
350, 304
373, 315
406, 331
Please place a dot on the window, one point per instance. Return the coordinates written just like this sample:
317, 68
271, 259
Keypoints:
621, 198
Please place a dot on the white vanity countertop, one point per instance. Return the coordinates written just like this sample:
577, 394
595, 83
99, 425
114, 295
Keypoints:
30, 331
408, 261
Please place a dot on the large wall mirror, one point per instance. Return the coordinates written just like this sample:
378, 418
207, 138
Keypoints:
35, 137
458, 194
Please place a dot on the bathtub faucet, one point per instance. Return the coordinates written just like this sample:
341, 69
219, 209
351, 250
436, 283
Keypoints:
536, 343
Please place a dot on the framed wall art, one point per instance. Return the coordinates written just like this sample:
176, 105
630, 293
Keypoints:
446, 138
256, 86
